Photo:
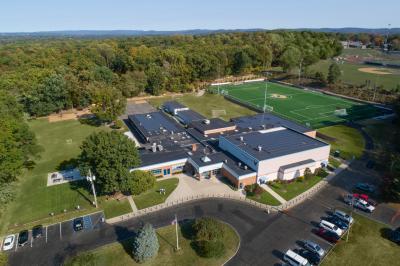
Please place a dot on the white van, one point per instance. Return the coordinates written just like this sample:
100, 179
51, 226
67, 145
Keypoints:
331, 227
294, 259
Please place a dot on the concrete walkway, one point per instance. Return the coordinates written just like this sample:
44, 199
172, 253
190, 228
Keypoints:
132, 203
273, 193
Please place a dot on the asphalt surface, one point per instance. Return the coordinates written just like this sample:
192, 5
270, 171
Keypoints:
264, 237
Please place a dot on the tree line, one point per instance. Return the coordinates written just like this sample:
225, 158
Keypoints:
50, 75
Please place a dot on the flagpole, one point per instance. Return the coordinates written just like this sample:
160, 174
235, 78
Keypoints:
176, 230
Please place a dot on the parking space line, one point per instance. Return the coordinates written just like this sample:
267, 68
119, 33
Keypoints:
46, 233
16, 242
60, 231
31, 240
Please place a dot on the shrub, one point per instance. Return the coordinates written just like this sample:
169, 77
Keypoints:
307, 173
208, 229
254, 189
140, 182
145, 243
320, 172
117, 124
300, 179
210, 249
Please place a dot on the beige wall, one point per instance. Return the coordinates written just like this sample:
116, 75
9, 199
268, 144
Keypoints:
219, 130
312, 134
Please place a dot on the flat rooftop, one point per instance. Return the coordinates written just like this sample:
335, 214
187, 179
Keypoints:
172, 105
211, 124
150, 158
189, 116
265, 121
274, 143
155, 123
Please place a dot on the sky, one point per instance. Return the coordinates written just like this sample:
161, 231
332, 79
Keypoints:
51, 15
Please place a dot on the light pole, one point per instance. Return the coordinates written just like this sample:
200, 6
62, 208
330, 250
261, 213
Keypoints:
351, 215
91, 178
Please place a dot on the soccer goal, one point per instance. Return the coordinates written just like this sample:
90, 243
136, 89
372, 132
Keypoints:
268, 108
218, 113
340, 112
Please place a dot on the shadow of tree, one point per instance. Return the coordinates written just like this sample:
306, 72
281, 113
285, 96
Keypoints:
90, 120
68, 164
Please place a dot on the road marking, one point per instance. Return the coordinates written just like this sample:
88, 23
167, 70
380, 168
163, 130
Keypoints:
16, 242
46, 233
60, 231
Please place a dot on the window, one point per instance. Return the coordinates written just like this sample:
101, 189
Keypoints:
177, 169
156, 172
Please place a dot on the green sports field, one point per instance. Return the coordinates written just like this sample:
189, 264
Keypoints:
303, 106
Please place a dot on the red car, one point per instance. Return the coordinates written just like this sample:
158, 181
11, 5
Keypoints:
328, 235
364, 197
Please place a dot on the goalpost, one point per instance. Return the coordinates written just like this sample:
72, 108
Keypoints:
340, 112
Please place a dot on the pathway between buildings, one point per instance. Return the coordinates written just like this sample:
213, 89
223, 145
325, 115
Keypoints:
273, 193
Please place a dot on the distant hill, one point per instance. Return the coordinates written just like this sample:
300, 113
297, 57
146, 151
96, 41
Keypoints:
126, 33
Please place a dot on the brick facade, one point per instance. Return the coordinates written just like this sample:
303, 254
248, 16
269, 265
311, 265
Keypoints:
236, 182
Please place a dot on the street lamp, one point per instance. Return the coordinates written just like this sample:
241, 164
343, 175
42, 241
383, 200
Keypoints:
91, 178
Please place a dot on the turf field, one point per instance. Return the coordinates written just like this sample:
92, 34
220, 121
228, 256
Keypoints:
305, 107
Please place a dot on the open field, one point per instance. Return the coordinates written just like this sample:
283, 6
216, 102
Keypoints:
153, 197
305, 107
206, 104
347, 140
367, 246
119, 253
351, 74
34, 200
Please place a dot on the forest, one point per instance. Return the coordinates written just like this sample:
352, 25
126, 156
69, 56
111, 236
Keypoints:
49, 75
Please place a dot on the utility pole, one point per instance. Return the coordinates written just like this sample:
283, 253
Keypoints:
91, 178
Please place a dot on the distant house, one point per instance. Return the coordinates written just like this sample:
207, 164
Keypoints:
353, 44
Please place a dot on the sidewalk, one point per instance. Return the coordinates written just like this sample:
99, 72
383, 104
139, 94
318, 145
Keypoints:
132, 203
273, 193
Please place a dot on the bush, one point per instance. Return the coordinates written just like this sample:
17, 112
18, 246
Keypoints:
300, 179
208, 229
307, 173
140, 181
210, 249
145, 244
320, 172
254, 189
117, 124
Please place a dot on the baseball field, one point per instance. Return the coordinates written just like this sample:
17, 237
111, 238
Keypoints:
306, 107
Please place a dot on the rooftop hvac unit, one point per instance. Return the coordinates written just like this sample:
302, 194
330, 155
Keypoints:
160, 147
206, 121
148, 116
241, 138
259, 148
154, 148
245, 167
205, 159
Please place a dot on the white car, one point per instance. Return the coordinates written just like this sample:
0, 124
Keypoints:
344, 216
330, 227
365, 206
9, 242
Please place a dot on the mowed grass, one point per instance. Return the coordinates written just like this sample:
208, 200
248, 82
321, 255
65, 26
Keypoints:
352, 75
290, 190
34, 200
119, 254
206, 104
265, 198
153, 197
308, 108
113, 207
347, 140
367, 246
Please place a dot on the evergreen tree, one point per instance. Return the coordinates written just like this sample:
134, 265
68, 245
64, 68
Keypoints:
145, 244
334, 73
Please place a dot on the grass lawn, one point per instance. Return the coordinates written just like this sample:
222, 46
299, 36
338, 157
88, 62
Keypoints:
34, 200
113, 207
291, 190
265, 198
366, 246
206, 104
346, 139
334, 162
119, 253
351, 74
153, 197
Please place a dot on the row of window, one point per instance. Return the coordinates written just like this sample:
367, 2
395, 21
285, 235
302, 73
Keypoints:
167, 171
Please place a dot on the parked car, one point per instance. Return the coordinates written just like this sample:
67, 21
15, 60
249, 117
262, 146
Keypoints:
343, 216
365, 197
365, 187
312, 257
37, 231
23, 237
9, 242
330, 227
294, 259
328, 235
349, 199
78, 224
395, 236
365, 206
338, 222
314, 247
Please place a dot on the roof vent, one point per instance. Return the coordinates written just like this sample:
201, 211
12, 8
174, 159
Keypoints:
259, 148
225, 161
160, 147
250, 128
239, 164
148, 116
241, 138
205, 159
206, 121
245, 167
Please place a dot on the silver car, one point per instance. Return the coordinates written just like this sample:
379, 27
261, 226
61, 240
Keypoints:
314, 247
344, 216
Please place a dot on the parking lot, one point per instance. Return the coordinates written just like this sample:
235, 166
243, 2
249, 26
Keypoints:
60, 231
